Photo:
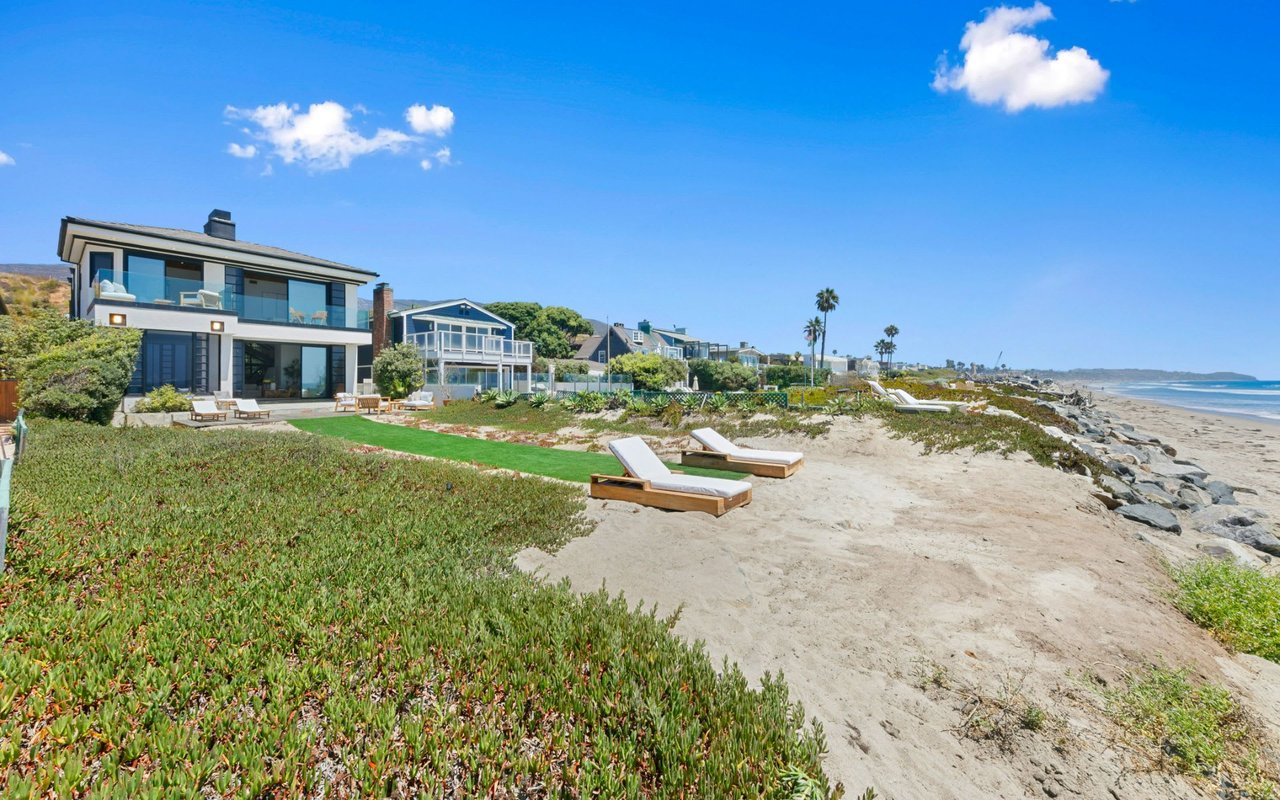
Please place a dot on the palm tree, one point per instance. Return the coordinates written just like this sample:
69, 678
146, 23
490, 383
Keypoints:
890, 349
827, 302
882, 348
812, 330
891, 331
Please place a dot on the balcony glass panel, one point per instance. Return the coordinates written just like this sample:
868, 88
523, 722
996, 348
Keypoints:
156, 280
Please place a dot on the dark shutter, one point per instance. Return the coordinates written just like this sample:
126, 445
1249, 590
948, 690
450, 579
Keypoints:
200, 381
235, 289
338, 370
337, 300
237, 367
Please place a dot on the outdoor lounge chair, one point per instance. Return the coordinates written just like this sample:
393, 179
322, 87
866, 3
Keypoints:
905, 396
369, 403
649, 482
419, 401
206, 411
247, 408
720, 453
914, 406
344, 401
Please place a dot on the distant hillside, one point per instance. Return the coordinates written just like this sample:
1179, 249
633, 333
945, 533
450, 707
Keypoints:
59, 271
24, 287
1136, 375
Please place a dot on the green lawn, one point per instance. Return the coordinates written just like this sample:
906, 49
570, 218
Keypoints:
567, 465
246, 614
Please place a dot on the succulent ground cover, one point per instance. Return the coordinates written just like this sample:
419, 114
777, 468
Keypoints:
252, 614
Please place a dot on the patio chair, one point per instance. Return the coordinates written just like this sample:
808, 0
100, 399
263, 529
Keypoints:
879, 391
648, 482
914, 406
344, 401
419, 401
369, 403
206, 411
720, 453
247, 408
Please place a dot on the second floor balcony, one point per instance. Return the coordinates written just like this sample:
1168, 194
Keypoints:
473, 348
194, 294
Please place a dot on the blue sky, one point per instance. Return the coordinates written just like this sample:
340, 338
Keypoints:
708, 165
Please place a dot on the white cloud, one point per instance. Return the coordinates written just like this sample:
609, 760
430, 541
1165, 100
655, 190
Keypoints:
319, 138
425, 164
445, 156
437, 120
6, 160
1002, 65
242, 150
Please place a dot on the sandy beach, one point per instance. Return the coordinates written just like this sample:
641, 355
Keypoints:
898, 592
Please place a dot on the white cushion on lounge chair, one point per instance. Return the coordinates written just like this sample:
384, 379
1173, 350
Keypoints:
712, 440
204, 407
641, 462
247, 405
878, 389
907, 399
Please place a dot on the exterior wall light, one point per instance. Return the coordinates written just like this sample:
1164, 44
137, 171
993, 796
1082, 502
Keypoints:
217, 326
118, 320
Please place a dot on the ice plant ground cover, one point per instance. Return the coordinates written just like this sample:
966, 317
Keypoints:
567, 465
240, 613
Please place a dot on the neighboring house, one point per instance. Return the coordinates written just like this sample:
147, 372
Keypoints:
464, 343
837, 364
218, 314
866, 367
607, 342
744, 354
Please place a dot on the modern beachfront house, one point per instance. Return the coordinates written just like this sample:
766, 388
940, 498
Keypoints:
465, 345
219, 315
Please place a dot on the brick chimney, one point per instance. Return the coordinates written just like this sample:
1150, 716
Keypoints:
220, 225
383, 304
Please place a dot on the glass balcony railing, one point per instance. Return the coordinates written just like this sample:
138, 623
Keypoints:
191, 293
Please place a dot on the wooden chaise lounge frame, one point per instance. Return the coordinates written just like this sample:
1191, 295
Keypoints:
638, 490
738, 462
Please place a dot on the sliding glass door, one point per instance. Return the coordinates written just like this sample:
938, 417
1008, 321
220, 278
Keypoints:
315, 372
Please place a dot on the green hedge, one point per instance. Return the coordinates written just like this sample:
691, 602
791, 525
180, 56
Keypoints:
238, 613
84, 379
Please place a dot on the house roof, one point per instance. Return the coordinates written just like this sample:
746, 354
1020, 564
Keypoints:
197, 237
431, 305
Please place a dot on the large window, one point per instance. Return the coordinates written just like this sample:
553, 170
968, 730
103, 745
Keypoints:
168, 358
101, 267
162, 280
268, 298
274, 370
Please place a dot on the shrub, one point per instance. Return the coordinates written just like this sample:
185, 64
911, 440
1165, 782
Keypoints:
22, 338
399, 370
564, 366
539, 399
1198, 727
616, 400
162, 399
83, 379
649, 370
487, 396
1241, 606
718, 403
660, 402
723, 376
505, 399
784, 375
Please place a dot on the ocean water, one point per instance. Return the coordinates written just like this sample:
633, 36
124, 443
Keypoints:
1259, 399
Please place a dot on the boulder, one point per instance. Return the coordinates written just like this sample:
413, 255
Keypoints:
1221, 493
1118, 488
1154, 493
1194, 498
1228, 550
1140, 455
1239, 524
1150, 514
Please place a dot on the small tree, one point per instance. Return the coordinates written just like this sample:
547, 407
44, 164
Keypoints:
22, 338
649, 370
399, 370
84, 379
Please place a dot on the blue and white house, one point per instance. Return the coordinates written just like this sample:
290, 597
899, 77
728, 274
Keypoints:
465, 345
219, 316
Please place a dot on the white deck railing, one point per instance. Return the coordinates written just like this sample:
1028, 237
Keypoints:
473, 348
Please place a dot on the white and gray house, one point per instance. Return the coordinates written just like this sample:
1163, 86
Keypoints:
219, 315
